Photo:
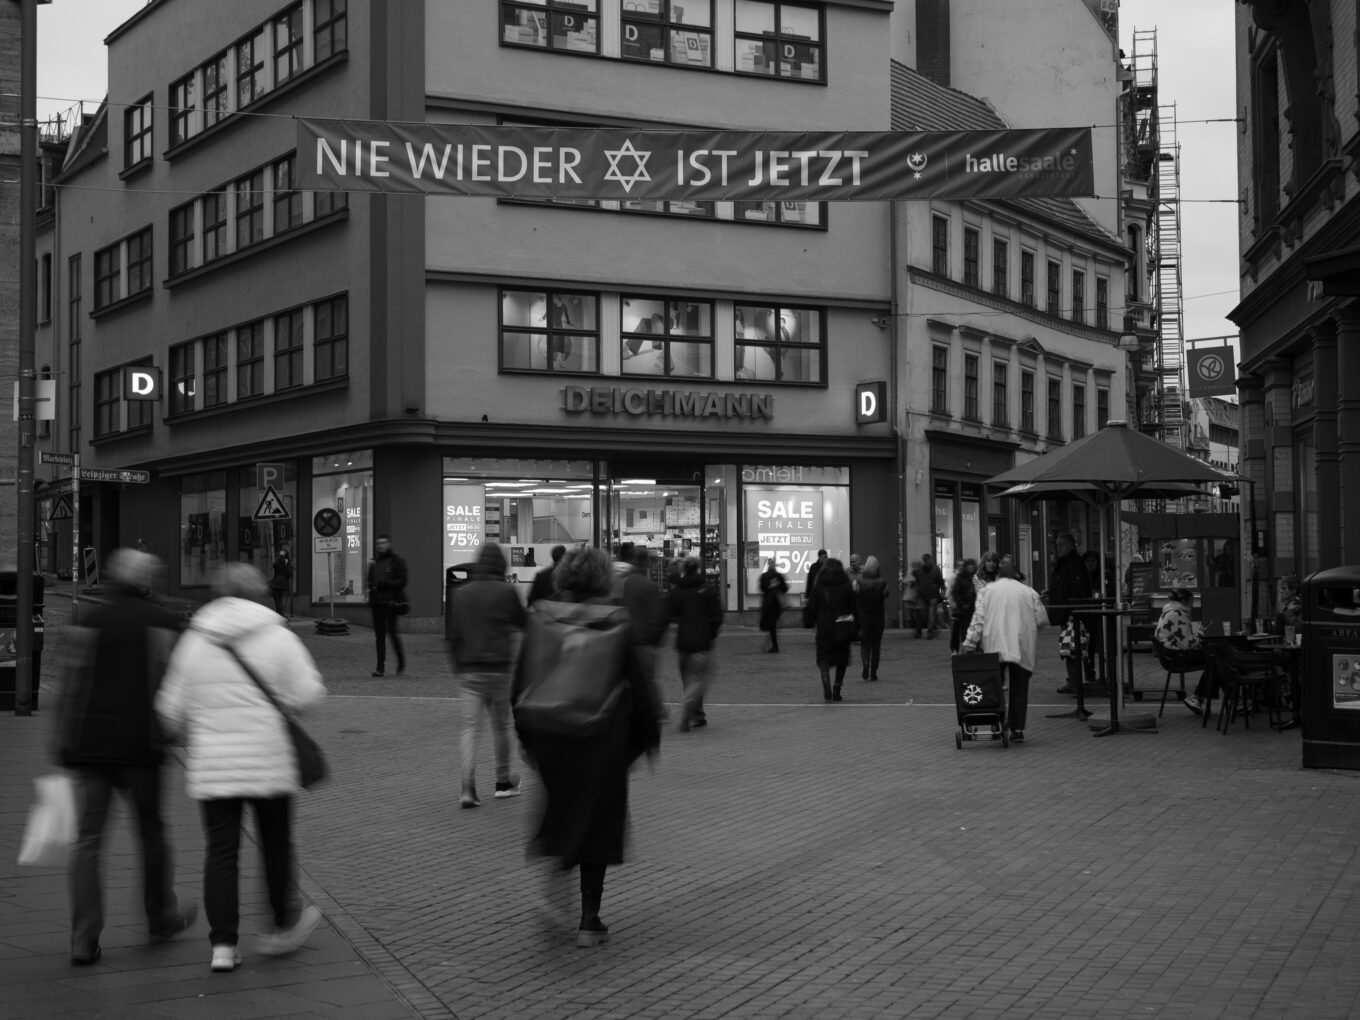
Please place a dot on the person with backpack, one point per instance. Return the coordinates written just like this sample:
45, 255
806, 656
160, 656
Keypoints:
584, 711
698, 618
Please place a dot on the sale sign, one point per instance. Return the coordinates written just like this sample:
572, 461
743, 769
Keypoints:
464, 522
786, 525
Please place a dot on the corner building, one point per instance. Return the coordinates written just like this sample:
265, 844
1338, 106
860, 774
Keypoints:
455, 370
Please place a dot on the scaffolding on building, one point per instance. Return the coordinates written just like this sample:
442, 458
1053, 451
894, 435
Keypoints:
1170, 296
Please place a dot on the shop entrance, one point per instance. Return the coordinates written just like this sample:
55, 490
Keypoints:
662, 514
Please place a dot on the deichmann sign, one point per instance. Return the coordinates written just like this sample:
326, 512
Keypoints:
667, 403
871, 403
142, 383
614, 163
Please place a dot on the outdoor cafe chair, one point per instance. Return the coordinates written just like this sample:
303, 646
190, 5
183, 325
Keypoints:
1244, 677
1180, 661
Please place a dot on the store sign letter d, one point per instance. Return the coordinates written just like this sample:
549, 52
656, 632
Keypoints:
142, 383
871, 405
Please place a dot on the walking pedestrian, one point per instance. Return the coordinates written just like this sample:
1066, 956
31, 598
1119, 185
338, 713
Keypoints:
1006, 620
834, 613
240, 752
698, 618
813, 571
387, 578
872, 598
962, 599
107, 735
1068, 583
585, 776
929, 588
988, 570
281, 583
773, 588
485, 618
542, 586
855, 570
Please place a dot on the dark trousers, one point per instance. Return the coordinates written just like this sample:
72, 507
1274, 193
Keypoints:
221, 876
141, 787
1017, 678
385, 623
871, 646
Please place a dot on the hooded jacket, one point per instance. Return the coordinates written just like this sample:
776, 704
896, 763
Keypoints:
238, 742
485, 617
697, 614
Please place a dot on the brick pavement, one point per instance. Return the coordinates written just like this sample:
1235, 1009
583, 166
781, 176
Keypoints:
794, 859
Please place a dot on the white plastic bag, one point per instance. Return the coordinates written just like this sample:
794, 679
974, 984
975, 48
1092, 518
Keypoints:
51, 825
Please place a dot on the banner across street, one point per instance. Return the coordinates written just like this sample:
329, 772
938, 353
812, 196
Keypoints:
615, 163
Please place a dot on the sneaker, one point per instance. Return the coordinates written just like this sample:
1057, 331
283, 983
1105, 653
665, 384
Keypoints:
225, 958
470, 800
377, 672
179, 923
289, 940
509, 788
1194, 704
1017, 736
592, 933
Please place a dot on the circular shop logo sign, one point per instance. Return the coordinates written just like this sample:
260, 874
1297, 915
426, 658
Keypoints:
1210, 368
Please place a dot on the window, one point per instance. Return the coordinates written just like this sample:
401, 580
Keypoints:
939, 380
1102, 406
1027, 278
45, 288
214, 225
549, 331
939, 245
216, 81
570, 25
330, 346
971, 271
702, 209
778, 39
1078, 296
182, 239
250, 69
1000, 267
669, 338
249, 360
795, 214
287, 28
970, 387
1103, 302
668, 31
326, 202
1265, 138
203, 527
215, 370
1054, 306
1027, 402
108, 269
288, 350
1078, 410
287, 200
107, 392
1001, 403
137, 133
139, 262
330, 32
182, 382
779, 344
140, 412
1054, 408
183, 106
249, 209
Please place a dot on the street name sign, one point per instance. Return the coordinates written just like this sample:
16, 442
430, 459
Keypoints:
130, 476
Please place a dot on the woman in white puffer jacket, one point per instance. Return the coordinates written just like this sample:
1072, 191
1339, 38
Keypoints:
239, 750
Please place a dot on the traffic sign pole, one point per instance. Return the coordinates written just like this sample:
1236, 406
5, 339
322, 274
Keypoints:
75, 535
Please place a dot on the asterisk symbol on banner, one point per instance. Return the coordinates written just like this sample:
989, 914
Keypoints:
615, 174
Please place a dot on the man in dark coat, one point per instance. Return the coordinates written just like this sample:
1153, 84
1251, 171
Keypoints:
108, 736
698, 617
1068, 583
543, 586
386, 588
929, 587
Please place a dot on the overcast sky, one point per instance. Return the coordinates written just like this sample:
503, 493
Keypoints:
1195, 72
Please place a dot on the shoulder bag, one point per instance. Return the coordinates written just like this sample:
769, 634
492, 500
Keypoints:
312, 767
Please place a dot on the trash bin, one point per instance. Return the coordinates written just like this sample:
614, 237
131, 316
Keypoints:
459, 573
9, 599
1330, 676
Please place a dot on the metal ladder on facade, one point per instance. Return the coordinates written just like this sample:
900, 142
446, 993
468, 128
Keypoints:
1170, 297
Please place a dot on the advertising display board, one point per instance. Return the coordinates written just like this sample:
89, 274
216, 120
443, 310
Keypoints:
785, 525
464, 522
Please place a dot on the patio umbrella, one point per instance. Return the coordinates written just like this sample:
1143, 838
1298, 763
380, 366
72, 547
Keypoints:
1108, 466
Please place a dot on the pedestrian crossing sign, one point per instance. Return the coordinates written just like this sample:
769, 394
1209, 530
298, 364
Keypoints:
271, 507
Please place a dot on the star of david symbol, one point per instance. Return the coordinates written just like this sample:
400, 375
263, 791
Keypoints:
615, 174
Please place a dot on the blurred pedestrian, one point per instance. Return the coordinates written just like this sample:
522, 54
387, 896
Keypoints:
855, 570
962, 598
281, 583
698, 618
485, 620
387, 578
929, 588
1006, 620
773, 588
911, 599
872, 599
813, 571
108, 736
542, 586
240, 752
585, 776
1012, 568
834, 613
1069, 583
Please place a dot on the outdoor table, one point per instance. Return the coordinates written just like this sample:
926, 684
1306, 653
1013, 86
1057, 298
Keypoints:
1293, 653
1109, 623
1081, 711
